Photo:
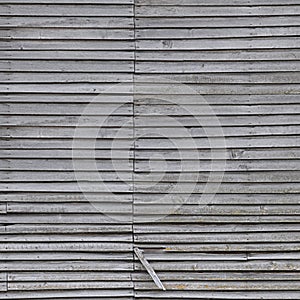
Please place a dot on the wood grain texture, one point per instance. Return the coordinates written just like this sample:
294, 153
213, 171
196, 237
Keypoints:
43, 247
71, 216
223, 55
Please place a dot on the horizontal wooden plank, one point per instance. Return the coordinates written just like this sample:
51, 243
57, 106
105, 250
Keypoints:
221, 276
48, 238
110, 247
222, 44
51, 99
222, 247
251, 142
53, 109
214, 67
226, 266
53, 197
221, 55
220, 286
202, 89
100, 207
44, 256
154, 208
58, 177
123, 218
223, 210
213, 2
66, 265
229, 120
66, 22
228, 177
67, 164
75, 229
66, 66
73, 77
66, 45
143, 165
40, 143
239, 99
85, 285
177, 21
98, 154
237, 199
229, 78
217, 295
231, 228
68, 187
200, 155
215, 11
80, 88
86, 10
56, 132
124, 294
216, 220
196, 132
210, 187
170, 132
208, 33
145, 144
70, 276
61, 119
82, 2
71, 34
158, 256
69, 54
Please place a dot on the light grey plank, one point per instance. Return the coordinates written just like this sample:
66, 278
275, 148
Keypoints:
66, 22
204, 11
221, 55
177, 21
66, 66
64, 10
69, 34
222, 44
214, 2
214, 33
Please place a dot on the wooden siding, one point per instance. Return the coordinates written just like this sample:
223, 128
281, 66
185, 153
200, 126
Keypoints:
56, 57
242, 57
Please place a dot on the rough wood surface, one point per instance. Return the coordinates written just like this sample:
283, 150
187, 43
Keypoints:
158, 139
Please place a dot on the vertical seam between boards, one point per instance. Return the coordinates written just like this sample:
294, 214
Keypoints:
134, 146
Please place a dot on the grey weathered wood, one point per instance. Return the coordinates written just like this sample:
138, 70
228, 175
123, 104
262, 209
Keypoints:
212, 2
66, 66
214, 33
70, 34
66, 22
177, 21
150, 270
204, 11
58, 56
64, 10
222, 55
215, 44
53, 45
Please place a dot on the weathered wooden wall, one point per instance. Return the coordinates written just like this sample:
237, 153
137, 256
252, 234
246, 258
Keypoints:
57, 56
242, 56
